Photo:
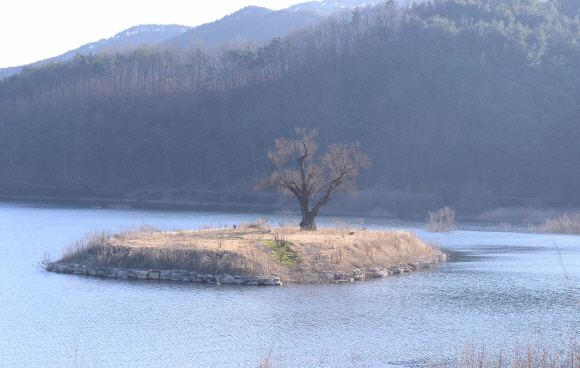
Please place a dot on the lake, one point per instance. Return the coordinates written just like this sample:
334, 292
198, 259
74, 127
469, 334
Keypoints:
499, 287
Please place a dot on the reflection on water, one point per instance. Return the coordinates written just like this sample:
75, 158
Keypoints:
499, 287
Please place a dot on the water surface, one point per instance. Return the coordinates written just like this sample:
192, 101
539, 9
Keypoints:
499, 287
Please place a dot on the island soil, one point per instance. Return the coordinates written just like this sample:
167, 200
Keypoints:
293, 255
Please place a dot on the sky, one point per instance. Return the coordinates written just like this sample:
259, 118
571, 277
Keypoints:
33, 30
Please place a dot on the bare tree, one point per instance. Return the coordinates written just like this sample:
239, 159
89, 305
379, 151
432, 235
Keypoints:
298, 173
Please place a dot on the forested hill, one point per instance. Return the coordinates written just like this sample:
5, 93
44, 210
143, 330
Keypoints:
464, 95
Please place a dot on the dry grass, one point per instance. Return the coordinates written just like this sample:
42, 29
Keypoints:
441, 221
535, 354
251, 249
565, 224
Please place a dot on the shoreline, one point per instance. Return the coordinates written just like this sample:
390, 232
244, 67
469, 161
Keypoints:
372, 202
339, 277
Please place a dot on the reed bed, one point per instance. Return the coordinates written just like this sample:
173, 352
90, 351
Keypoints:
249, 249
532, 354
565, 224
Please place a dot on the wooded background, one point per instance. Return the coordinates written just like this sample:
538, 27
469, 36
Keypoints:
451, 97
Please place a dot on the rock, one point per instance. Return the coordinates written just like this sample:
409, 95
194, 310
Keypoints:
358, 277
142, 274
228, 280
425, 264
279, 283
270, 282
208, 278
183, 272
374, 270
78, 271
252, 283
122, 274
176, 276
219, 279
154, 275
262, 280
185, 279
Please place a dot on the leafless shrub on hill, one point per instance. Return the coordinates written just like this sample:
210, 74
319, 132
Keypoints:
441, 221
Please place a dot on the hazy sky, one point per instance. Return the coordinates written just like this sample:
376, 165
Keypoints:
32, 30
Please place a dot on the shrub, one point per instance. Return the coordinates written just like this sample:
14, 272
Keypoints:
441, 221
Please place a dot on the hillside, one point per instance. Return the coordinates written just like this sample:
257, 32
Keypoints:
467, 103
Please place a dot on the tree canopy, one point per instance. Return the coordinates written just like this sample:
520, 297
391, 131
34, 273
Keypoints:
299, 174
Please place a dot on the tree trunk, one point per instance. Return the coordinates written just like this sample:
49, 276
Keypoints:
307, 223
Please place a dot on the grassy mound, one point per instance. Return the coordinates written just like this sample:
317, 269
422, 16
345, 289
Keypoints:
256, 249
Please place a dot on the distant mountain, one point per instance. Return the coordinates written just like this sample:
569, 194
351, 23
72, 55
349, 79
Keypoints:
134, 36
328, 7
250, 23
261, 24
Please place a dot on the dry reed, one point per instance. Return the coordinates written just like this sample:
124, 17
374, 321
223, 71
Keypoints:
532, 354
565, 224
441, 221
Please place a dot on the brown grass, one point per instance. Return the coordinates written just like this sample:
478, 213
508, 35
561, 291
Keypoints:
251, 249
565, 224
534, 354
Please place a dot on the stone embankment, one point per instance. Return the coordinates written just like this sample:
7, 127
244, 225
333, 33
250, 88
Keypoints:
334, 277
360, 274
157, 274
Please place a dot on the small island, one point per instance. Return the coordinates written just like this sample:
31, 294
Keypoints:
250, 254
